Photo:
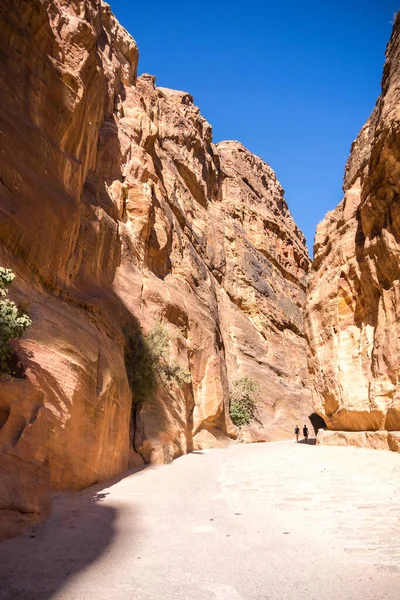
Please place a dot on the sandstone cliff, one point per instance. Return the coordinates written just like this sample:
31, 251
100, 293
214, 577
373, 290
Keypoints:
353, 318
118, 213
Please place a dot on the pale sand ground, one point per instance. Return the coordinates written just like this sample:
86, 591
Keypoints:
268, 521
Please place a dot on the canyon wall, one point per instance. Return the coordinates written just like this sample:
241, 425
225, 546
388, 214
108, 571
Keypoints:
353, 306
118, 214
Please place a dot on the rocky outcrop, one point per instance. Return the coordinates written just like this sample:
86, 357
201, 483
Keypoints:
353, 319
262, 291
118, 213
374, 440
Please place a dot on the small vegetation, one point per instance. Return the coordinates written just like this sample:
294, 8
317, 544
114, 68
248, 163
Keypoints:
139, 364
173, 371
147, 360
243, 405
13, 322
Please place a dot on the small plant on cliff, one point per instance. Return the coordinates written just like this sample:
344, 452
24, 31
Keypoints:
146, 358
158, 340
139, 364
173, 371
13, 322
243, 401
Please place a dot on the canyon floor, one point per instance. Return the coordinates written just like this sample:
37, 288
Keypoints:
265, 521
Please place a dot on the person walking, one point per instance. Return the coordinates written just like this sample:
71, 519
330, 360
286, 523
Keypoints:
305, 433
297, 433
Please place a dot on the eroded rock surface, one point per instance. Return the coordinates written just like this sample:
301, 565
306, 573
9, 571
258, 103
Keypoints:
353, 318
263, 291
119, 213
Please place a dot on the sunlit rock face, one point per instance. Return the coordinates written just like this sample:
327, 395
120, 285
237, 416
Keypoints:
262, 291
118, 213
353, 307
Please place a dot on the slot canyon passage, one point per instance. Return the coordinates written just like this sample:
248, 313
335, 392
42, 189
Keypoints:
121, 221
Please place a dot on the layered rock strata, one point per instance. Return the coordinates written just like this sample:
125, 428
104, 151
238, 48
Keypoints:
118, 214
353, 314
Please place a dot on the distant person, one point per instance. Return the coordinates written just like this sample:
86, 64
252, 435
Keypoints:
305, 433
297, 433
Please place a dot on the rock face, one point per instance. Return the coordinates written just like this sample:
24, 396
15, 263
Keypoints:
262, 291
353, 306
117, 214
376, 440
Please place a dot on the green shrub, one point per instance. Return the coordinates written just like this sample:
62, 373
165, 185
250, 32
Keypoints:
173, 371
243, 401
139, 364
158, 342
13, 322
147, 359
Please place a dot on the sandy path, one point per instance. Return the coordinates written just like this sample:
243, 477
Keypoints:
267, 521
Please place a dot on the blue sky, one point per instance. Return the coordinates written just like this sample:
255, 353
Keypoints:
293, 81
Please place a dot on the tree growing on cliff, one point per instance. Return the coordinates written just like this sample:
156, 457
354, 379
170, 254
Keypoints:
13, 322
139, 364
147, 359
168, 370
243, 401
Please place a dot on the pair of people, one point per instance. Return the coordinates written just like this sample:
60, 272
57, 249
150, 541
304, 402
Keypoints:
305, 433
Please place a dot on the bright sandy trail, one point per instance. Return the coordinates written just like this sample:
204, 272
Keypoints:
266, 521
